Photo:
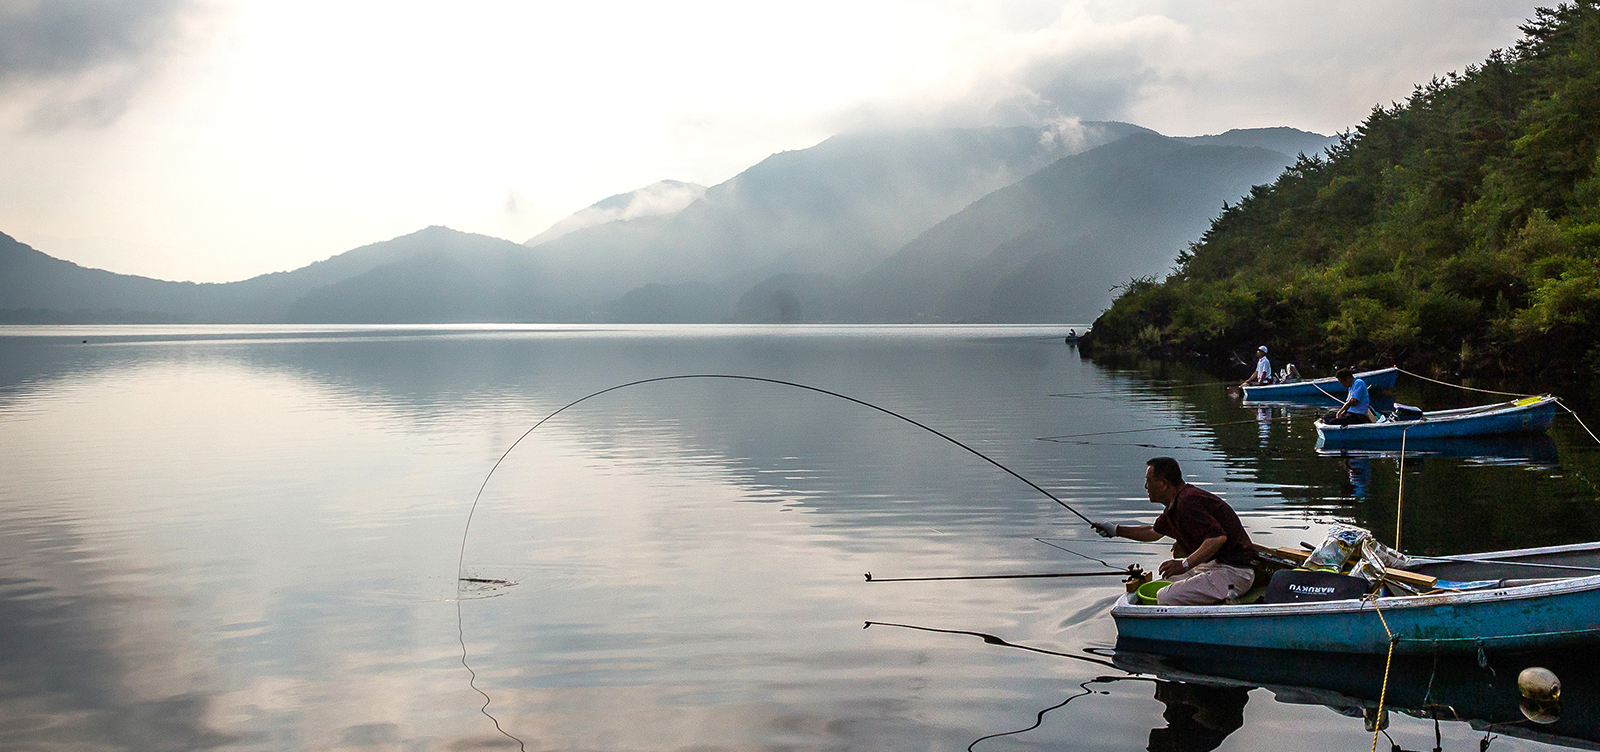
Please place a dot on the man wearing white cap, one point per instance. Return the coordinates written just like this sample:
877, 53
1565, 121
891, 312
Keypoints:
1263, 373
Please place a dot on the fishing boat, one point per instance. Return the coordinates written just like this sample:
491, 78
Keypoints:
1525, 598
1317, 389
1526, 415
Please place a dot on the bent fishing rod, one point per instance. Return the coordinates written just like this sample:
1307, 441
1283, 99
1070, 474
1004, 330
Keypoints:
461, 561
1133, 570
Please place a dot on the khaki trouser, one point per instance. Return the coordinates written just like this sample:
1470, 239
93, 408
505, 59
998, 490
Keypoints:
1205, 585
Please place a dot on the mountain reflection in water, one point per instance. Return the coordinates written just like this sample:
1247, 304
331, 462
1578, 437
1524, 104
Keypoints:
247, 538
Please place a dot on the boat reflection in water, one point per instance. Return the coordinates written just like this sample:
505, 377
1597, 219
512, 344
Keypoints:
1527, 449
1204, 690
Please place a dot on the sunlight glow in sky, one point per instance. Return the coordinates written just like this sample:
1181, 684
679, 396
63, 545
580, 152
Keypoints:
214, 140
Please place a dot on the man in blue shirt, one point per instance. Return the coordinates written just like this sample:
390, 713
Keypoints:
1357, 407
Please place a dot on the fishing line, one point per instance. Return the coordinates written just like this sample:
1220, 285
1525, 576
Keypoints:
1059, 439
1151, 387
1400, 489
1075, 553
1039, 719
1115, 443
990, 639
461, 633
461, 560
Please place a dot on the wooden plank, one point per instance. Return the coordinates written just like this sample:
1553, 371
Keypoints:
1421, 582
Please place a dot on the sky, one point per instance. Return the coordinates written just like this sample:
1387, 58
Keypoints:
214, 140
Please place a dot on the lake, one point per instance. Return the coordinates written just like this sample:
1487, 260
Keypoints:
249, 537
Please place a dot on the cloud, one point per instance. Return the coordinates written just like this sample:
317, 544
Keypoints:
80, 62
1076, 66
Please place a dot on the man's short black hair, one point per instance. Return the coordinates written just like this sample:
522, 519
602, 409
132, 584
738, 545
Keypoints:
1344, 373
1167, 469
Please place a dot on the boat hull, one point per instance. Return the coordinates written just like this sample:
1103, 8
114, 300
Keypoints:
1381, 379
1507, 418
1543, 614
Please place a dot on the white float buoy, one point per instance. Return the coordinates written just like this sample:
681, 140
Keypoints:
1539, 684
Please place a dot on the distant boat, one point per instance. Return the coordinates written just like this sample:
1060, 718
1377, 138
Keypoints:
1526, 598
1295, 391
1526, 415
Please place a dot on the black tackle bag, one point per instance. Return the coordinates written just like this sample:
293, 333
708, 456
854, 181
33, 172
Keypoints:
1305, 586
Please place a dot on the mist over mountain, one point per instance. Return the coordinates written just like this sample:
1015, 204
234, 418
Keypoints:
662, 198
839, 207
987, 224
1050, 247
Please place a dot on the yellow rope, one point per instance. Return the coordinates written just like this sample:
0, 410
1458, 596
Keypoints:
1383, 693
1458, 386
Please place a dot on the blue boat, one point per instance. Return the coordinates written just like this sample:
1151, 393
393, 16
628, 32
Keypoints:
1527, 598
1526, 415
1318, 389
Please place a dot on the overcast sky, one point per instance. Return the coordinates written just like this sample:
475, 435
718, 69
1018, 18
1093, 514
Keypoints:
212, 140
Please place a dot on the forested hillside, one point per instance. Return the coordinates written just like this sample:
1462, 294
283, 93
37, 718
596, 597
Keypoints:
1458, 232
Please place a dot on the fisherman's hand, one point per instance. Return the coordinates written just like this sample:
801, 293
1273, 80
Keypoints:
1105, 529
1172, 567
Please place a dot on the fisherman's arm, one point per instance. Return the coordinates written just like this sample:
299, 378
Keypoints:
1207, 550
1142, 533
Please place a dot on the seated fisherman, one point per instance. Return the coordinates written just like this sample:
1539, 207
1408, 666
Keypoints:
1263, 372
1357, 407
1215, 550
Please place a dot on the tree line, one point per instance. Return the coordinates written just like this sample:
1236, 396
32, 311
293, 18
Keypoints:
1456, 233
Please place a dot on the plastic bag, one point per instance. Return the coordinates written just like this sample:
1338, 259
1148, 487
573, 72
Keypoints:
1336, 549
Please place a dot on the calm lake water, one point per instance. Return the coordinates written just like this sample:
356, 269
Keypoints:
248, 537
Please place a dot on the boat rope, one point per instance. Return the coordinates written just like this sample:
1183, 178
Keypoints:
461, 561
1062, 439
1459, 560
1325, 392
1580, 420
1383, 692
1075, 553
1459, 386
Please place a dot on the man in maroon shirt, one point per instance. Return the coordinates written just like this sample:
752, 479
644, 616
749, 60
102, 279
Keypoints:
1212, 553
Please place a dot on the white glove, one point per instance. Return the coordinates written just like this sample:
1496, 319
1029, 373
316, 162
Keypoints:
1105, 529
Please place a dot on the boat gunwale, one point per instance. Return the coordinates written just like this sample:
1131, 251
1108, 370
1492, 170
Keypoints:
1126, 608
1267, 390
1441, 417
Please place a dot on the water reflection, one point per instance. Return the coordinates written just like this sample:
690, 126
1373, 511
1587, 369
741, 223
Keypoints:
1359, 469
251, 536
1480, 694
1199, 716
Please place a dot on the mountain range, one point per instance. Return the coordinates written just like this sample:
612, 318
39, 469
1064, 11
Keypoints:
985, 224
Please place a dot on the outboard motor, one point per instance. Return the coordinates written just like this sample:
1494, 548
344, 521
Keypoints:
1405, 412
